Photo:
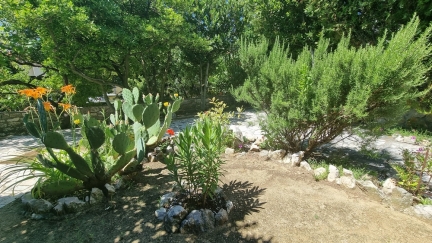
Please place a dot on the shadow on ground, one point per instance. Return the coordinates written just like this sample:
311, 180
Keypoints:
129, 216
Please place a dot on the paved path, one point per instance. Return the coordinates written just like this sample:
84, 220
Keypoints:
16, 148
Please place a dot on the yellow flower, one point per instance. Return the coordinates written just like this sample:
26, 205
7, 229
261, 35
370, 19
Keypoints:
166, 104
47, 106
65, 106
68, 89
77, 121
176, 95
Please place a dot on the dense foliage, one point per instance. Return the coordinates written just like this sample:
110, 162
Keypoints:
312, 99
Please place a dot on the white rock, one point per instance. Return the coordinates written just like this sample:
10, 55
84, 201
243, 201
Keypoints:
424, 211
296, 158
319, 171
96, 196
287, 159
229, 151
254, 148
160, 213
388, 185
69, 204
347, 172
264, 154
39, 206
259, 140
229, 206
305, 165
110, 188
348, 181
277, 154
166, 199
221, 217
333, 173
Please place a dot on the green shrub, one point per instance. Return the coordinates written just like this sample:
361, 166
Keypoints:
197, 164
311, 100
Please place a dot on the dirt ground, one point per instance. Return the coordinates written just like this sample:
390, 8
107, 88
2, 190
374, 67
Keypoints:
273, 203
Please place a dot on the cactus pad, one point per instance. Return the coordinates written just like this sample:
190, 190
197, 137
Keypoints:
122, 143
151, 115
55, 140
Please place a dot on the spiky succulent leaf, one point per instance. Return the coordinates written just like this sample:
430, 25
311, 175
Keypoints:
42, 115
137, 111
55, 140
33, 129
80, 163
122, 143
151, 115
121, 162
127, 96
95, 136
135, 93
98, 165
176, 105
59, 188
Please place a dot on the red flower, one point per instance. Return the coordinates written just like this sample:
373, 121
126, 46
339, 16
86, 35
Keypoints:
170, 132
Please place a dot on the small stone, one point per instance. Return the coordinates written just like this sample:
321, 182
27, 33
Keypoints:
169, 149
229, 205
254, 148
37, 216
348, 181
400, 199
319, 171
264, 154
347, 172
296, 158
221, 217
119, 184
424, 211
277, 154
39, 206
173, 218
371, 190
259, 140
26, 198
59, 209
287, 159
229, 151
110, 188
166, 199
333, 173
388, 185
160, 213
70, 204
96, 196
305, 165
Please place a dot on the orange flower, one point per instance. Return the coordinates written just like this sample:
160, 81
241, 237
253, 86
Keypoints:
65, 106
68, 89
33, 93
170, 132
41, 90
47, 106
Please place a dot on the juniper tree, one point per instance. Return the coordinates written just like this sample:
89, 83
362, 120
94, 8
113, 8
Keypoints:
312, 99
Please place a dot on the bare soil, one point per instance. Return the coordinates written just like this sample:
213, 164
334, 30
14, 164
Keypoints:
273, 203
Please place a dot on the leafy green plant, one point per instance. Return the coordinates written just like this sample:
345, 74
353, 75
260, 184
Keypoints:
196, 165
426, 201
314, 98
415, 165
94, 165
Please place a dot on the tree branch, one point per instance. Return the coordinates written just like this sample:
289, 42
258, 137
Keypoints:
17, 82
93, 80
